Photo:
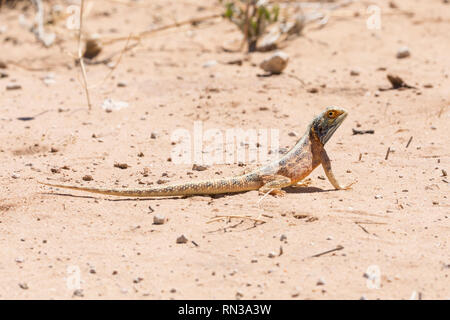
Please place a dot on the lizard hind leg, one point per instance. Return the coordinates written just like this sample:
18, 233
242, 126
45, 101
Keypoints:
273, 185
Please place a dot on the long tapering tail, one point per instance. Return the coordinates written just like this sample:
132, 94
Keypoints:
227, 185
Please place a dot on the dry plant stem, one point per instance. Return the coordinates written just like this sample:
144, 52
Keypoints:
117, 63
218, 218
163, 28
339, 247
80, 57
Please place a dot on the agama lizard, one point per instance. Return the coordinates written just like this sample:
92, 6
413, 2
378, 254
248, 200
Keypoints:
307, 154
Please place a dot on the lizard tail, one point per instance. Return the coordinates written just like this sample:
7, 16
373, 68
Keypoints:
227, 185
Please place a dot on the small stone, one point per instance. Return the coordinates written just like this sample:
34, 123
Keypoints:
92, 271
355, 72
121, 165
403, 52
78, 293
23, 286
209, 63
182, 239
3, 75
283, 237
19, 260
53, 150
275, 63
320, 282
159, 219
254, 261
110, 105
121, 84
239, 295
378, 196
137, 280
49, 79
313, 90
13, 86
173, 290
197, 167
153, 135
87, 178
15, 176
330, 238
272, 254
92, 49
293, 134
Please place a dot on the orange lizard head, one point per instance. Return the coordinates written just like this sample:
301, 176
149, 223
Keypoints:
326, 123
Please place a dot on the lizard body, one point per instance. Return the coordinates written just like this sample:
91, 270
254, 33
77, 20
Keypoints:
307, 154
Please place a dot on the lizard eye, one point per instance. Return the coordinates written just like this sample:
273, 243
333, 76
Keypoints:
331, 114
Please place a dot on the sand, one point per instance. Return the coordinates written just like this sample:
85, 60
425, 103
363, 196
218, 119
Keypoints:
392, 227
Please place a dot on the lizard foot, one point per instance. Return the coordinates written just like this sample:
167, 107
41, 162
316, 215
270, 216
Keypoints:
302, 184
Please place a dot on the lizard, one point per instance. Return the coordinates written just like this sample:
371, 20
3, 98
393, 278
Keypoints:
307, 154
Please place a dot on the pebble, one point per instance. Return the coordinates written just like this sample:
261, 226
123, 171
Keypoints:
293, 134
19, 260
378, 196
320, 282
15, 176
272, 254
49, 79
275, 63
196, 167
13, 86
355, 72
121, 84
78, 293
110, 105
3, 75
153, 135
137, 280
87, 178
23, 286
283, 237
403, 52
121, 165
159, 219
182, 239
209, 63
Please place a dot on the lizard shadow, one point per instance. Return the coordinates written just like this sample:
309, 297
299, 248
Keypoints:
107, 199
304, 190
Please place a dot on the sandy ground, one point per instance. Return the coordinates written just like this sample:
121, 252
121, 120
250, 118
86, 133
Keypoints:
393, 225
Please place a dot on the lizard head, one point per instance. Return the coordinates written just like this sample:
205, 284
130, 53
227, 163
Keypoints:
326, 123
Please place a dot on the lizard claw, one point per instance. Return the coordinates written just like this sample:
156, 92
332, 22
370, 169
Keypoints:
349, 186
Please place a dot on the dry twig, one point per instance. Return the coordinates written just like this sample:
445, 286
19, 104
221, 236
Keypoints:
80, 57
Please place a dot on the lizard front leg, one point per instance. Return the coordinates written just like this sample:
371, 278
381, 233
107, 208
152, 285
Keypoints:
273, 185
326, 164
